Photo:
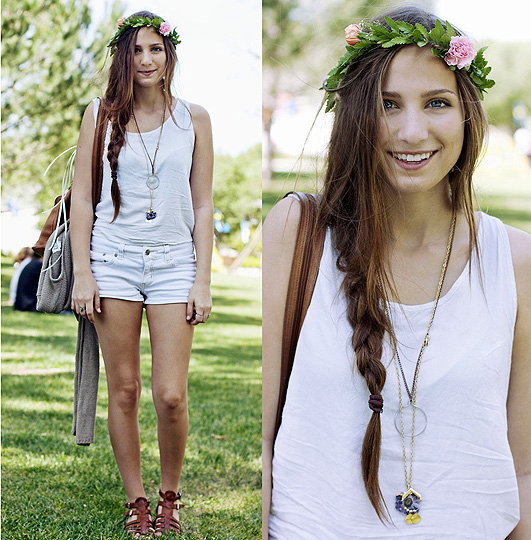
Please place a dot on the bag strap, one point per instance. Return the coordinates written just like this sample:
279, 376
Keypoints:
61, 209
303, 275
97, 154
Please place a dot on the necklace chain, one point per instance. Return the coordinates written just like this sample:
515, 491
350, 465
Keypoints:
151, 176
396, 358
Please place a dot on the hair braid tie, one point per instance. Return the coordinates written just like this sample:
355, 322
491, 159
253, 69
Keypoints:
376, 403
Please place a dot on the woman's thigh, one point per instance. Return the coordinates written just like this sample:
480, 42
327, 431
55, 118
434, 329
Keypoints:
171, 344
118, 327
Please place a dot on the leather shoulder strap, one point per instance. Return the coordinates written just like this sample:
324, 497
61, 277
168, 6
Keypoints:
97, 153
303, 275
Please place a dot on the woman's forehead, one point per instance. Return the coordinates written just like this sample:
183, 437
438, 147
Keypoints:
147, 35
417, 69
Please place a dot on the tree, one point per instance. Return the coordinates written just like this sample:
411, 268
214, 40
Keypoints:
49, 58
237, 190
283, 39
296, 54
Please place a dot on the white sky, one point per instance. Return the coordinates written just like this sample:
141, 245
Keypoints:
508, 20
220, 62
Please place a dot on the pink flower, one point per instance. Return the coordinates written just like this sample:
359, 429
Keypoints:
351, 34
120, 22
461, 52
164, 29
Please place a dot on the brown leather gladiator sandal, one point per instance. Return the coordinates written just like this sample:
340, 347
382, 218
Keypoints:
142, 526
165, 522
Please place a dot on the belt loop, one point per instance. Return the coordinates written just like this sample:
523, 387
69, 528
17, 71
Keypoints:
167, 256
121, 248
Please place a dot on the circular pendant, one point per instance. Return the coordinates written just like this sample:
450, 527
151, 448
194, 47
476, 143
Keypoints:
421, 420
153, 182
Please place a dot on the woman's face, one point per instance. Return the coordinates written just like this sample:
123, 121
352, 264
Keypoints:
422, 128
149, 59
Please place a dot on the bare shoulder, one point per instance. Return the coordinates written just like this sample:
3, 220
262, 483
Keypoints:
521, 252
282, 222
199, 114
88, 117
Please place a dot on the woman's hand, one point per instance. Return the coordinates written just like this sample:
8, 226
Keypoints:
199, 303
86, 296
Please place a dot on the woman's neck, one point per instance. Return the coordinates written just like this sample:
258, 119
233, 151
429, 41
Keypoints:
417, 219
148, 99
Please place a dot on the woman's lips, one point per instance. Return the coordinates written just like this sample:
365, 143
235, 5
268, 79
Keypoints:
412, 161
147, 73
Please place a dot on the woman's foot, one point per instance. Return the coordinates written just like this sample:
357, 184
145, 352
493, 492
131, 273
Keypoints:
138, 518
167, 519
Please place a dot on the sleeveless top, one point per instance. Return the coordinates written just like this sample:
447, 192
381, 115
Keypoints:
172, 199
462, 464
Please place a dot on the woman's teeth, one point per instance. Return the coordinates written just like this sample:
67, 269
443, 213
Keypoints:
413, 157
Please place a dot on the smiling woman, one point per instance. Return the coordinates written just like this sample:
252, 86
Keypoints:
422, 129
403, 412
145, 242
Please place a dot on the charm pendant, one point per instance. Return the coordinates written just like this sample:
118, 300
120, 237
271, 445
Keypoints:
421, 420
150, 215
153, 182
408, 503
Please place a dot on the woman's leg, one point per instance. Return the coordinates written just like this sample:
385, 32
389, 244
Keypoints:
171, 343
118, 327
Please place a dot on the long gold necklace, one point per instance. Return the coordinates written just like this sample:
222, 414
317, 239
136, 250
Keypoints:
152, 181
408, 502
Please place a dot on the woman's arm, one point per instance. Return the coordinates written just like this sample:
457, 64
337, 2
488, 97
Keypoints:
519, 401
279, 237
200, 298
85, 292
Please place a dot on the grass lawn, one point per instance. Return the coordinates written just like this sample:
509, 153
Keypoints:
501, 195
55, 490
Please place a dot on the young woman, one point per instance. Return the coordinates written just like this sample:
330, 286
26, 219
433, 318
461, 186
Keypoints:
155, 210
406, 411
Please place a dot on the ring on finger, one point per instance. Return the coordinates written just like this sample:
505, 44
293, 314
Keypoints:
81, 309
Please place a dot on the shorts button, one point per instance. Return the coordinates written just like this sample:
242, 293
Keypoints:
148, 252
116, 254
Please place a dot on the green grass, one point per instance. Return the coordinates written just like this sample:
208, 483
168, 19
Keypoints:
513, 209
55, 490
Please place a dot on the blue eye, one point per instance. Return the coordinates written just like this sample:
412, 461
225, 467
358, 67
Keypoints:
439, 104
387, 104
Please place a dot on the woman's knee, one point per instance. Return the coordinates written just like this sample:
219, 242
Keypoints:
171, 403
126, 395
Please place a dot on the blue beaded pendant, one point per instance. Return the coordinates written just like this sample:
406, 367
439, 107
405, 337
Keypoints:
408, 503
150, 215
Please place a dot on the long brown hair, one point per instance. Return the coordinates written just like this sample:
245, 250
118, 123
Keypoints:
353, 206
118, 100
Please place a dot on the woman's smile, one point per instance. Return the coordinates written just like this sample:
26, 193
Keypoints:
413, 161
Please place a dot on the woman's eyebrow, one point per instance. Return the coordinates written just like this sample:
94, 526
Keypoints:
429, 93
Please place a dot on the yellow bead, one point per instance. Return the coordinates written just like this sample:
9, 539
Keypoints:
411, 519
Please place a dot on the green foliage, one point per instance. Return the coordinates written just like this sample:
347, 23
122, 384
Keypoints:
49, 58
135, 21
237, 187
54, 490
403, 33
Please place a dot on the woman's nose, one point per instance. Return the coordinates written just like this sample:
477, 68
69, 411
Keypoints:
413, 127
146, 58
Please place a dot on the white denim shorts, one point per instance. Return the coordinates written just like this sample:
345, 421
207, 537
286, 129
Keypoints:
152, 275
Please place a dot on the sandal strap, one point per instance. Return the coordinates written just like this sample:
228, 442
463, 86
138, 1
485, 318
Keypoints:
142, 525
165, 521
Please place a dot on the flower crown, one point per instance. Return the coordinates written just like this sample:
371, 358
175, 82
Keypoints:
134, 21
457, 51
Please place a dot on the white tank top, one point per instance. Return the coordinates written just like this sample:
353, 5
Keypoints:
172, 200
462, 466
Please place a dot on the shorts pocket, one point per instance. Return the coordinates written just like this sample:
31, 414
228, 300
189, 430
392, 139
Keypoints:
107, 257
